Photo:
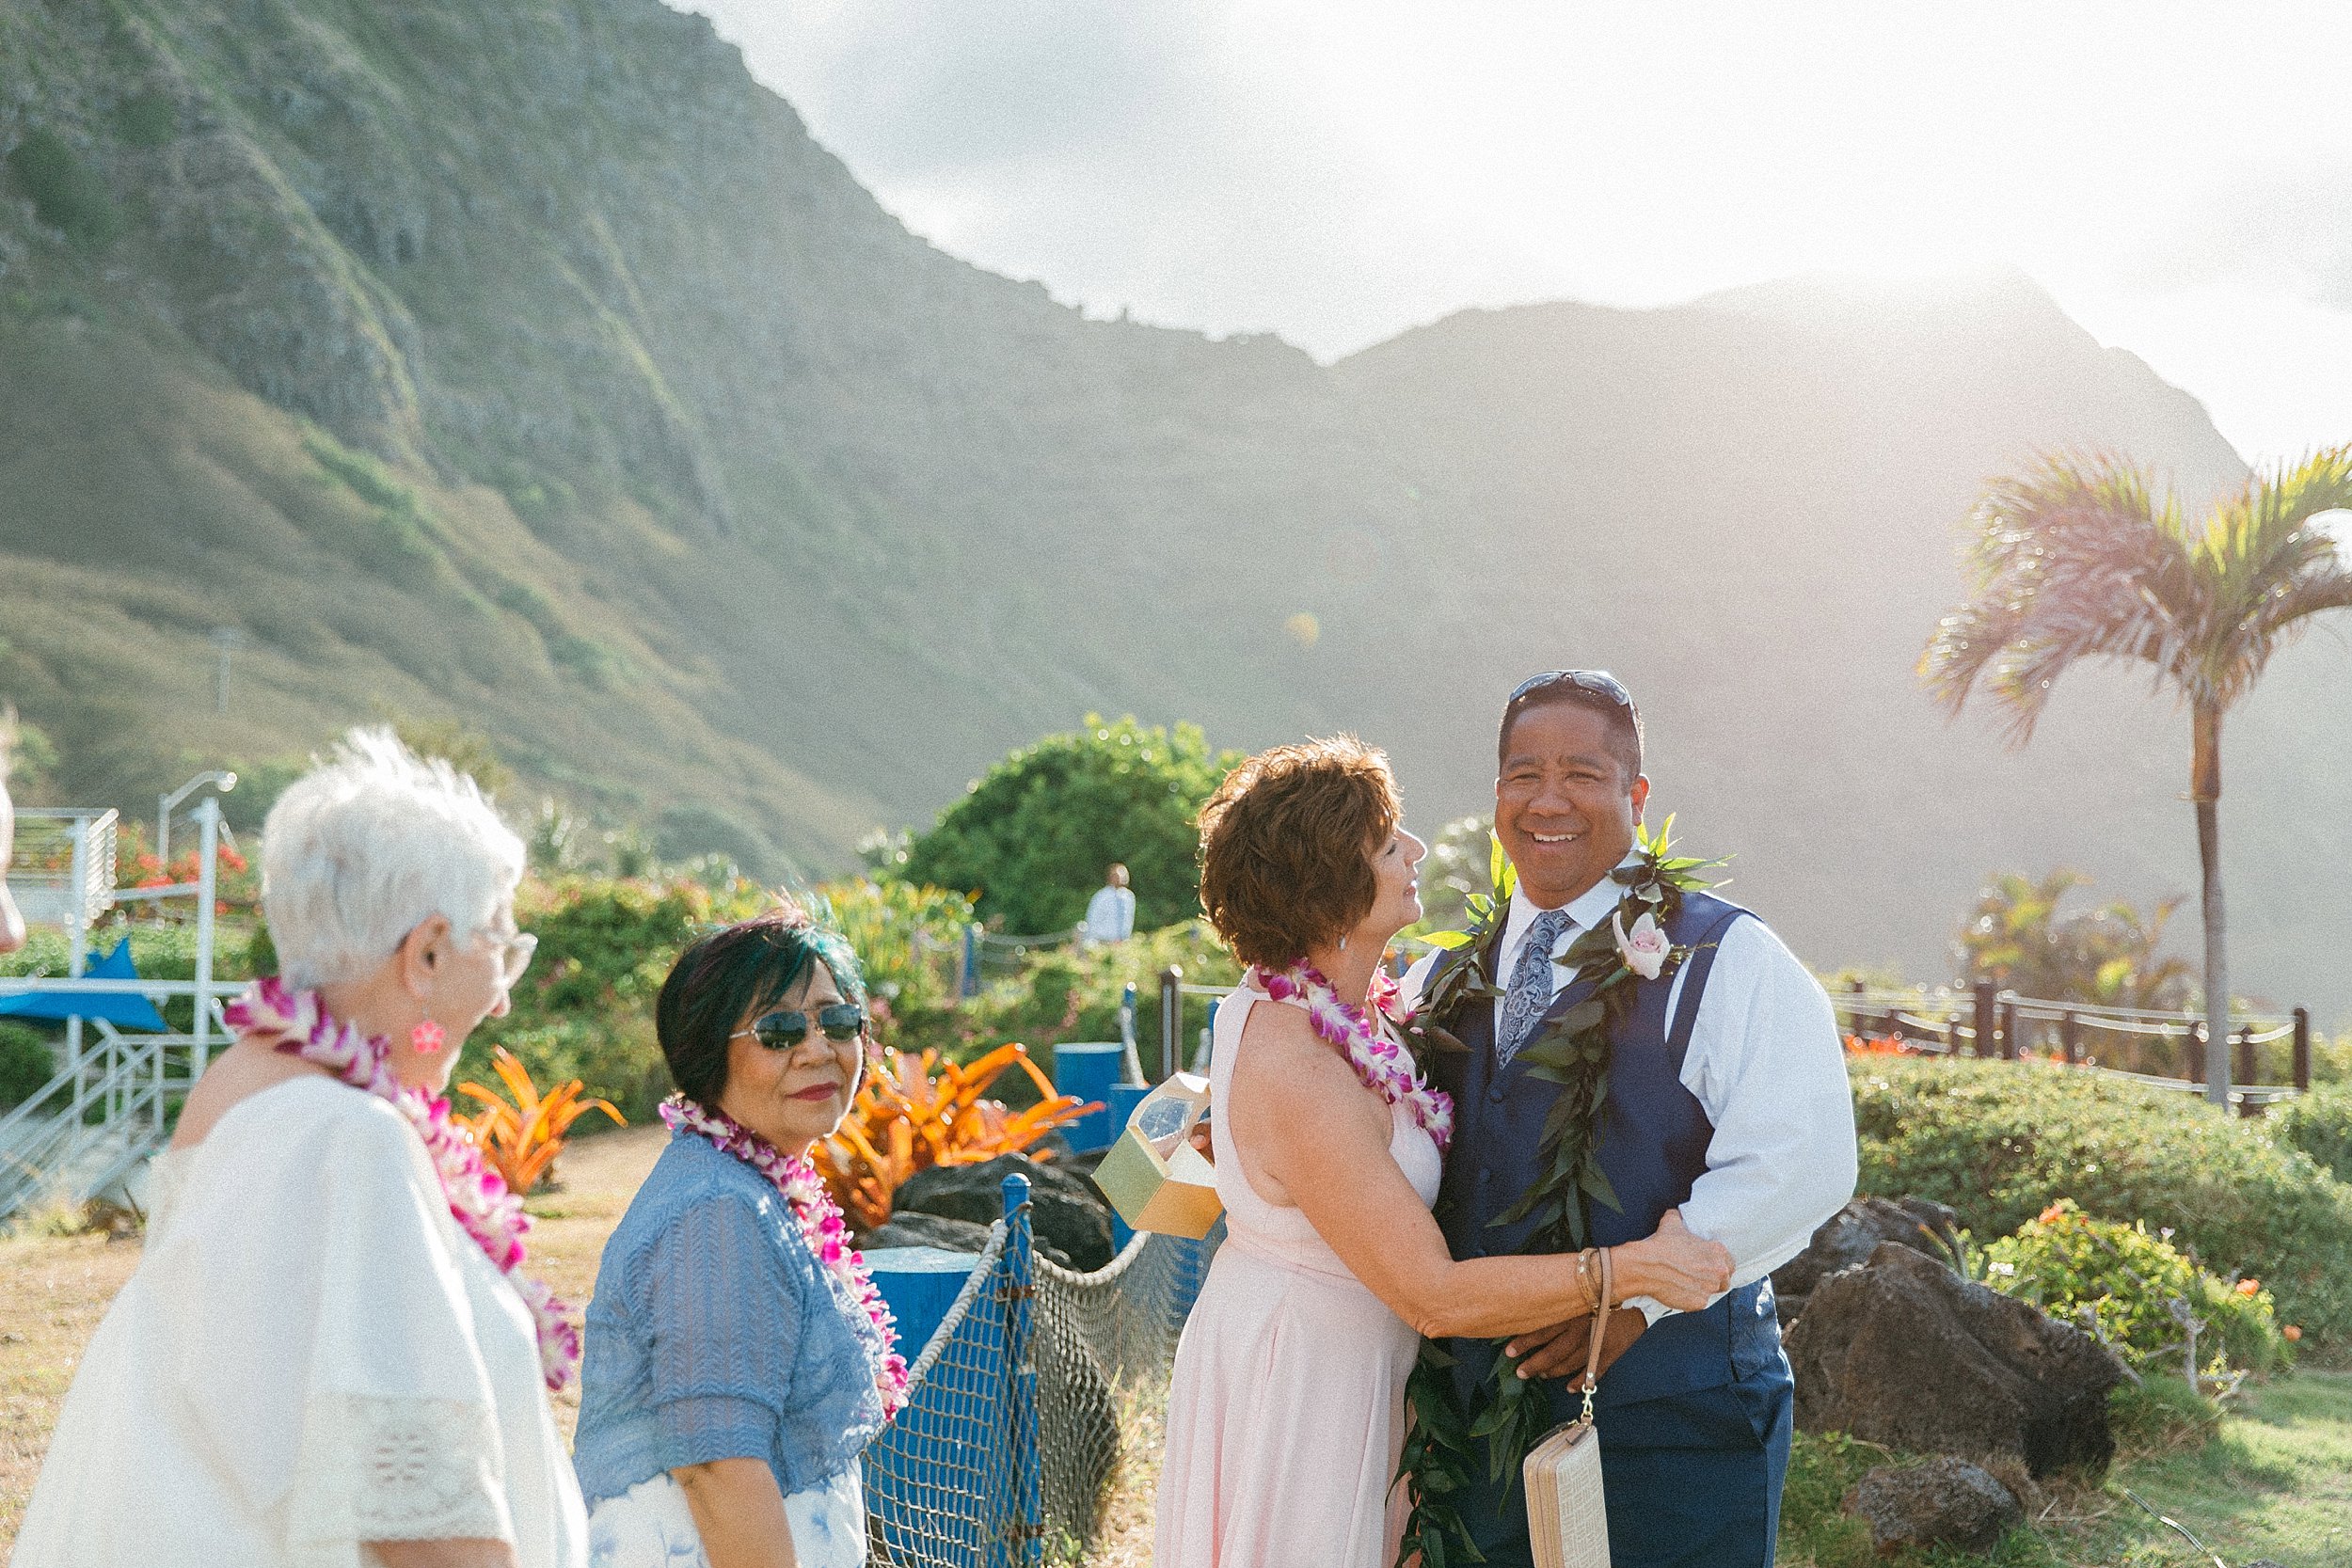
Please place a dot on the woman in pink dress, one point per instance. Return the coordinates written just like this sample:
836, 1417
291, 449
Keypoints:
1287, 1413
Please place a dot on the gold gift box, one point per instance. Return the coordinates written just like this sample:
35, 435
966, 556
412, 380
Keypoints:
1153, 1175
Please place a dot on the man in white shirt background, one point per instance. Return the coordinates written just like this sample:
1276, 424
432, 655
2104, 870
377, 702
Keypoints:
1729, 1105
1111, 912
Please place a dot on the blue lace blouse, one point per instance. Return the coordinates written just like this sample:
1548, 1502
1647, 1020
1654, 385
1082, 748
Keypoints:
716, 1334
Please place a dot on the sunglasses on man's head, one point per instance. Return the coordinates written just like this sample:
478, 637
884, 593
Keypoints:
1600, 682
840, 1020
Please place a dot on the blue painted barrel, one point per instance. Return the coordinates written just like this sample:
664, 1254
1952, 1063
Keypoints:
920, 1283
1090, 1070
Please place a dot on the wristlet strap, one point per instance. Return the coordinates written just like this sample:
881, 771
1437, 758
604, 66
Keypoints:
1600, 1325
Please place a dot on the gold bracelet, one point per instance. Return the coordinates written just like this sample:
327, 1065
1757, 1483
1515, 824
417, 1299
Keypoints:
1587, 1262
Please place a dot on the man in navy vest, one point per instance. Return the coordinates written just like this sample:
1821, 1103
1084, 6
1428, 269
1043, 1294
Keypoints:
1728, 1106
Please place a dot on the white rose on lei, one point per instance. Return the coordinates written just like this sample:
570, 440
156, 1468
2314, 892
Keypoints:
1644, 947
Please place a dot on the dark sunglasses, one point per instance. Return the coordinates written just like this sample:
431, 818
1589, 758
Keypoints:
1600, 682
841, 1021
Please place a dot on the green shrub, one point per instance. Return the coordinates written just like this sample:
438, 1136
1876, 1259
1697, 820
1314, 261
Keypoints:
2331, 1058
2001, 1142
159, 951
1033, 837
1073, 994
908, 936
67, 193
27, 1062
2319, 1124
2068, 1263
585, 1007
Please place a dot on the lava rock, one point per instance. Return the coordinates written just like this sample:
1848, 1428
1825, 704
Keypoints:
937, 1230
1080, 1467
1847, 1239
1945, 1501
931, 1230
1065, 1212
1904, 1352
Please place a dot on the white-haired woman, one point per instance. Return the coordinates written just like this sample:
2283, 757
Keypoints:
326, 1356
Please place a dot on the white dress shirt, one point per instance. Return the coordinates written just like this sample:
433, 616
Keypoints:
1766, 1064
1110, 914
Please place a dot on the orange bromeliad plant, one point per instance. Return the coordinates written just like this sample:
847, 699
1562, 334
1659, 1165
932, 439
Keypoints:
521, 1138
916, 1112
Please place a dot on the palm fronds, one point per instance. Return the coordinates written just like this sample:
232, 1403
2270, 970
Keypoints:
2078, 557
2075, 558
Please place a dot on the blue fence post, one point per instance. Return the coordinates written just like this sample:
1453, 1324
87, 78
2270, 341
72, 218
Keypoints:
971, 976
1022, 1538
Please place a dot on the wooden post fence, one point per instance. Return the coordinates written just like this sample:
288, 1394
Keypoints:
1987, 1026
1172, 1019
2070, 1036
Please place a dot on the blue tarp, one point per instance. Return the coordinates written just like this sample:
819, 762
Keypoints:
124, 1010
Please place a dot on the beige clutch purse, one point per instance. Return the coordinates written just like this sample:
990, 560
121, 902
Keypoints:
1568, 1520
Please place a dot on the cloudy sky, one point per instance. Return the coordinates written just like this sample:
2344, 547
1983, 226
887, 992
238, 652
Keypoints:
2180, 176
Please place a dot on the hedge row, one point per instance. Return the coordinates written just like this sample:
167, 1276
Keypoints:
2001, 1142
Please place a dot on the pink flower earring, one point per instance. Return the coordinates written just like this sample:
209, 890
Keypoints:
428, 1038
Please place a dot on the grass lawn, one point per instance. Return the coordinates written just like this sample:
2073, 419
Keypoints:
2274, 1480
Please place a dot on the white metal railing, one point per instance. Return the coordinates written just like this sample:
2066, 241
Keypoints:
108, 1107
78, 892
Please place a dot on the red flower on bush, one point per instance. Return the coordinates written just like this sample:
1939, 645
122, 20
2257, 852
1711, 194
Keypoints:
2054, 1213
1879, 1045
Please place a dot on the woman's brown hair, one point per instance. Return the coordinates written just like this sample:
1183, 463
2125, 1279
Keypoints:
1286, 846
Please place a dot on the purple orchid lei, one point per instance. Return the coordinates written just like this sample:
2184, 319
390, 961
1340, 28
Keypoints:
298, 1024
821, 1223
1384, 1067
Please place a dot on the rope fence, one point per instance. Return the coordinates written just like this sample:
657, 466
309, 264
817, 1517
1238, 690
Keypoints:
1014, 1437
2165, 1050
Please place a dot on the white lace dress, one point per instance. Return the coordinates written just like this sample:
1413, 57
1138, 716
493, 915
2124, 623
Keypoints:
313, 1355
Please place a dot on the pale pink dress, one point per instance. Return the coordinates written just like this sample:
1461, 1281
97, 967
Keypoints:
1287, 1412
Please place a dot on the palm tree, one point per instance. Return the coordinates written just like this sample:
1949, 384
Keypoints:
2017, 938
2078, 559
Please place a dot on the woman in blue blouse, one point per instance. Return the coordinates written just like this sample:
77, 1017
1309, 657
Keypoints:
738, 1358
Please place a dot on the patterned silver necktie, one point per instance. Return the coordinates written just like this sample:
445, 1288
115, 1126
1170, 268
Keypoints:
1530, 995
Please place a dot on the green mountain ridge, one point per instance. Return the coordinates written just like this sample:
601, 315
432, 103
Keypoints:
531, 364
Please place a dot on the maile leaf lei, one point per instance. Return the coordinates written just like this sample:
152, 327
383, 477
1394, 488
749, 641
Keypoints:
1572, 1051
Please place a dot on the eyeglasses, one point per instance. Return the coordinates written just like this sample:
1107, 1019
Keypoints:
513, 950
840, 1022
1600, 682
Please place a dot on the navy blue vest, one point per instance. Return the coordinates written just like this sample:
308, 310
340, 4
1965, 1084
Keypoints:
1653, 1147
